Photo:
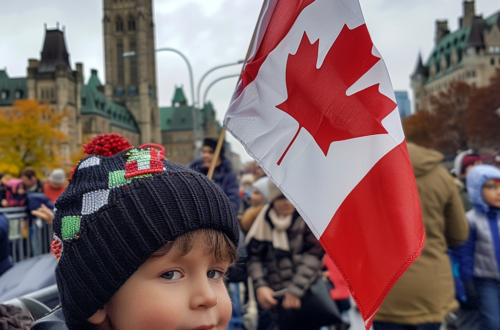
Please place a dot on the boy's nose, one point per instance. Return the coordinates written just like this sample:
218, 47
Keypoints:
203, 295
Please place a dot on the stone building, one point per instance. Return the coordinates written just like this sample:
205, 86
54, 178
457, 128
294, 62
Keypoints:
177, 125
470, 54
129, 51
52, 81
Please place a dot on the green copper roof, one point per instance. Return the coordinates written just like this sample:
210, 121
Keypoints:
178, 118
95, 102
179, 97
12, 89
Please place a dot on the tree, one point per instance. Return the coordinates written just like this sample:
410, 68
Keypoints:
418, 128
29, 136
449, 120
482, 119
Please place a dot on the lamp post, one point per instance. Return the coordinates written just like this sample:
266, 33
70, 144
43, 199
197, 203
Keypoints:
206, 74
216, 81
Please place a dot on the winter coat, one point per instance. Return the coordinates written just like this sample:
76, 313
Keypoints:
5, 259
425, 292
225, 178
293, 270
480, 255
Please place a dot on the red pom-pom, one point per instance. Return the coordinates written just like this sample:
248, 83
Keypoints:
106, 145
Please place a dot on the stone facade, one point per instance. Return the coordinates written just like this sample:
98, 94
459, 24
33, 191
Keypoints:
470, 54
129, 50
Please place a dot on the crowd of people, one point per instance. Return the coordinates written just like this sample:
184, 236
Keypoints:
282, 278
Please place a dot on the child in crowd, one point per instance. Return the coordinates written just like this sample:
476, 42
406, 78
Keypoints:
258, 198
141, 243
285, 260
480, 255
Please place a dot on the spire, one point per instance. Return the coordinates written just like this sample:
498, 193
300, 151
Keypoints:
54, 51
179, 97
420, 68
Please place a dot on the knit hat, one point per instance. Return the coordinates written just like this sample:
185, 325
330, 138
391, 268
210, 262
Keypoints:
212, 143
274, 191
58, 176
262, 185
119, 209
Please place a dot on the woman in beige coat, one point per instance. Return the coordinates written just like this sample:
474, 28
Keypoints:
425, 293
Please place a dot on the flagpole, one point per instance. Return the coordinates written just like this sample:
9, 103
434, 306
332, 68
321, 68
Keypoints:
222, 135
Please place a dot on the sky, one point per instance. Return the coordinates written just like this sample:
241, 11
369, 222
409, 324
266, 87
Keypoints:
214, 32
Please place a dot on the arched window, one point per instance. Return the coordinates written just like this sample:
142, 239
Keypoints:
131, 23
119, 24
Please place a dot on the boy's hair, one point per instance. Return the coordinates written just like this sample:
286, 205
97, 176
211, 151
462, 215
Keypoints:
116, 212
13, 318
213, 241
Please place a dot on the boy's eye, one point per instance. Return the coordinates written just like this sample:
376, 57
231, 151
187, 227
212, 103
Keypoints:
172, 275
215, 274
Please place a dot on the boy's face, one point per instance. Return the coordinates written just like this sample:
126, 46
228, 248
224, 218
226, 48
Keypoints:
172, 292
491, 193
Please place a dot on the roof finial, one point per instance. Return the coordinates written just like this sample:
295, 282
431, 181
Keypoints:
45, 26
64, 28
57, 25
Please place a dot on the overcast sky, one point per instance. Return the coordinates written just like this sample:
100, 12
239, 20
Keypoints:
213, 32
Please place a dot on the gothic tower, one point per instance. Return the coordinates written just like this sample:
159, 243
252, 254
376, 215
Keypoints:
129, 51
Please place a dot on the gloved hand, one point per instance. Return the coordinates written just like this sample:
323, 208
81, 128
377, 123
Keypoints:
472, 302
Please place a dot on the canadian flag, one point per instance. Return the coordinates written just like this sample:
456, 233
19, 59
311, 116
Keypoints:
315, 107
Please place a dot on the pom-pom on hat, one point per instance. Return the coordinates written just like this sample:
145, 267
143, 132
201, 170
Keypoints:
116, 211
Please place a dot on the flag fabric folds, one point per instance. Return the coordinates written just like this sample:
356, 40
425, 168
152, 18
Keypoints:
315, 107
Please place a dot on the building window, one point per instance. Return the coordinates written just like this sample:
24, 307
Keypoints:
119, 24
4, 94
473, 73
494, 49
84, 101
131, 24
492, 61
120, 65
132, 90
19, 94
119, 91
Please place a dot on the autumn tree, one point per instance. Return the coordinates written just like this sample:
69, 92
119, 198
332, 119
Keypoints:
29, 136
418, 128
448, 121
482, 117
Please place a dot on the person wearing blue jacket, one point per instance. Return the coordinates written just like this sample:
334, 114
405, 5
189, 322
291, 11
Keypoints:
480, 255
223, 176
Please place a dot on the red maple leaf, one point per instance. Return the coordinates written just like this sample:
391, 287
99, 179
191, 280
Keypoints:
317, 97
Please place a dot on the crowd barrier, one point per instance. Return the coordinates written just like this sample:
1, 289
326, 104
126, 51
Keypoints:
28, 236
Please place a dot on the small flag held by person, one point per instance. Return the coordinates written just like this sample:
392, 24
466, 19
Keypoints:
315, 107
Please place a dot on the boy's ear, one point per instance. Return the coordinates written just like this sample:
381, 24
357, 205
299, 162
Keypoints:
98, 317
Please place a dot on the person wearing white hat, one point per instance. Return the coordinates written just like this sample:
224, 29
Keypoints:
55, 184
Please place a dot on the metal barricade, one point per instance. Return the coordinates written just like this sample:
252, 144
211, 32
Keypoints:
28, 236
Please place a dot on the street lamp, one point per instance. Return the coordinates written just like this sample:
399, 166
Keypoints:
207, 73
216, 81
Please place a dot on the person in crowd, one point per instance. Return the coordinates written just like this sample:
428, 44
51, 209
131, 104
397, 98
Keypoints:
285, 258
141, 248
258, 198
55, 184
30, 182
258, 172
14, 194
245, 189
424, 295
480, 255
5, 258
462, 165
223, 176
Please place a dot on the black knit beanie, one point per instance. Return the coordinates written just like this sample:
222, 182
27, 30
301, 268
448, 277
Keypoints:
118, 210
212, 143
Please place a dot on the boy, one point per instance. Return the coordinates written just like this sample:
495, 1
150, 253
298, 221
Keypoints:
480, 262
142, 243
